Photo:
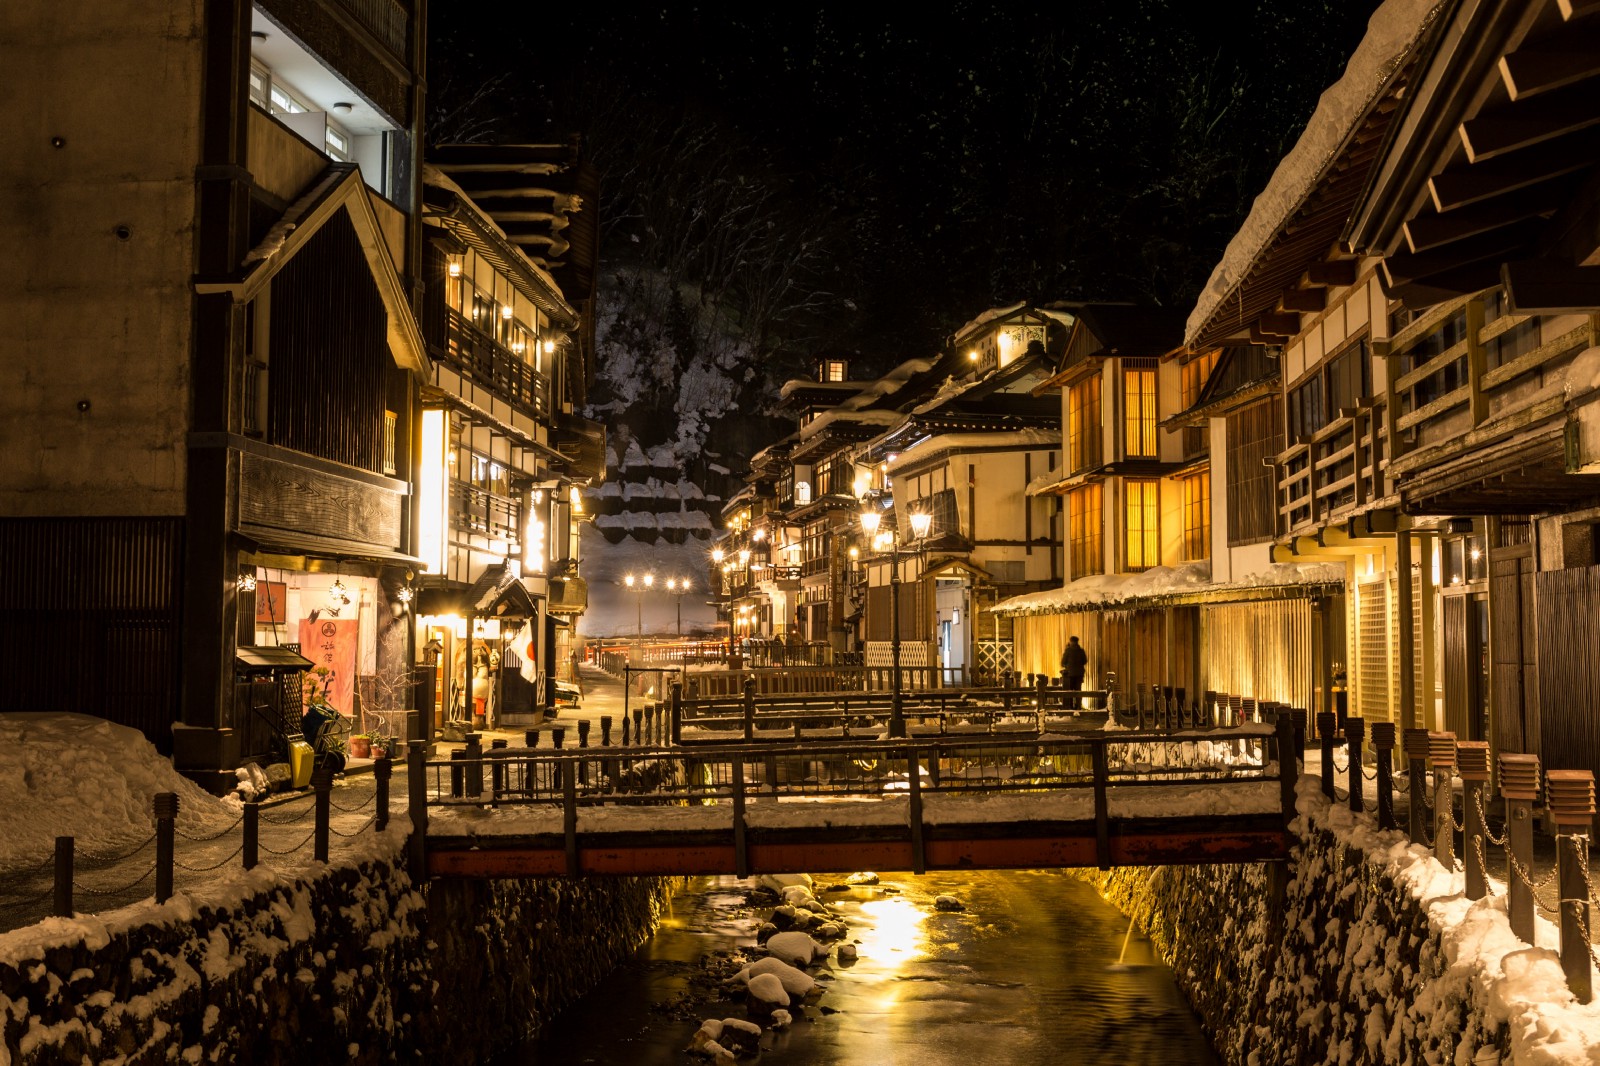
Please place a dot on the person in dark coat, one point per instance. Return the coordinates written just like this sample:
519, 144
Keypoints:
1074, 661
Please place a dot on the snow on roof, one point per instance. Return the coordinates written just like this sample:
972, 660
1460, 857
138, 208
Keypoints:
432, 175
1391, 32
1108, 589
1044, 481
989, 316
1018, 438
890, 383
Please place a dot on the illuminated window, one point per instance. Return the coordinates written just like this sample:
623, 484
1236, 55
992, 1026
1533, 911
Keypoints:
833, 370
1144, 524
337, 143
1083, 425
1195, 373
1084, 531
1196, 517
1139, 406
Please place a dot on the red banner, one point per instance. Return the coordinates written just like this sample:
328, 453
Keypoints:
331, 643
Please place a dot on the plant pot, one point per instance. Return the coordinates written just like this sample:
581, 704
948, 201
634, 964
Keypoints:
360, 747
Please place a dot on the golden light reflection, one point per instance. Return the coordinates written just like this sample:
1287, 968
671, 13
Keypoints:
893, 930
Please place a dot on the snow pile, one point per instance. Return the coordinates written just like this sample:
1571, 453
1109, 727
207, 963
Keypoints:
84, 777
795, 983
795, 948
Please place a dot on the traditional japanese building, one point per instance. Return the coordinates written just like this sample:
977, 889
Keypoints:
212, 289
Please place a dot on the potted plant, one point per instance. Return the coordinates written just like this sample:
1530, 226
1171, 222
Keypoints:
361, 746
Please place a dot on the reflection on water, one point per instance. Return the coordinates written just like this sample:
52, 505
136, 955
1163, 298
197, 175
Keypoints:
1028, 971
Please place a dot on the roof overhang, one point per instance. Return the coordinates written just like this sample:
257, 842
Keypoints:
338, 188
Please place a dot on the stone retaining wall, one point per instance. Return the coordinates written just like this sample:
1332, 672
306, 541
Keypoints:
354, 965
1345, 968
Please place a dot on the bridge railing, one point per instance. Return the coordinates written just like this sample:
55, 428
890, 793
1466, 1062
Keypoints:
1091, 765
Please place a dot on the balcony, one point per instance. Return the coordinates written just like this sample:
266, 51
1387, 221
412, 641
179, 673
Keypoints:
1336, 472
475, 511
487, 363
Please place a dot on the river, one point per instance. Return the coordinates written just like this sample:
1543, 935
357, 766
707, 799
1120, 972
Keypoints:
1027, 972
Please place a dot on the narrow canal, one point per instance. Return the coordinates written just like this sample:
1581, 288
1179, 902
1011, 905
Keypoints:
1034, 966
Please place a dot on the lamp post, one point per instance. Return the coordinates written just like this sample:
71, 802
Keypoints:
637, 587
871, 520
678, 586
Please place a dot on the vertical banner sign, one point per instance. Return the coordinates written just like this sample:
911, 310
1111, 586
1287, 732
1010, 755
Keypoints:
331, 643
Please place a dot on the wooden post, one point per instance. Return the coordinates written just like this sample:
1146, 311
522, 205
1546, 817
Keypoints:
638, 724
741, 852
1102, 811
1442, 757
1416, 749
382, 768
750, 708
1288, 768
417, 807
474, 768
1569, 795
1519, 786
1355, 731
1383, 753
919, 858
1474, 758
166, 809
497, 769
569, 822
63, 876
250, 845
677, 714
1325, 739
322, 788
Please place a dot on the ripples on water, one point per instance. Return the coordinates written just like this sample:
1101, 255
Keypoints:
1028, 973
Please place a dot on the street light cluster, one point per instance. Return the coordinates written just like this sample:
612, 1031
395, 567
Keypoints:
887, 542
676, 586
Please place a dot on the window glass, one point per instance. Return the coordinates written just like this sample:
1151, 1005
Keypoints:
1143, 524
1084, 531
1083, 425
1196, 517
1139, 389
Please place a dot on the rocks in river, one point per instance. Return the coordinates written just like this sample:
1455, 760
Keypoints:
829, 930
729, 1037
847, 953
767, 993
797, 984
948, 903
764, 933
796, 948
863, 878
781, 1019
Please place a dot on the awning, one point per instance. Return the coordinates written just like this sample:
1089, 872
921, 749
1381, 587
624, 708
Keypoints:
269, 658
291, 542
517, 599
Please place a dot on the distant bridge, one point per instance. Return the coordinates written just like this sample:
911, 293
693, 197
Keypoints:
1102, 798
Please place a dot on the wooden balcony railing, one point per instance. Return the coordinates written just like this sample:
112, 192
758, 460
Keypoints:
1334, 472
472, 510
490, 364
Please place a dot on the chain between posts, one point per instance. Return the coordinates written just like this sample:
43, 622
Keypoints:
113, 891
288, 821
100, 857
362, 828
1527, 879
351, 810
214, 836
290, 850
1497, 841
202, 869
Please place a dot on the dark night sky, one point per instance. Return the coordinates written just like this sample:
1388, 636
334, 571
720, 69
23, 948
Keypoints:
949, 162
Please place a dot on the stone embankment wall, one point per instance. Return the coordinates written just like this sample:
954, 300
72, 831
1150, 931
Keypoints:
357, 964
1335, 961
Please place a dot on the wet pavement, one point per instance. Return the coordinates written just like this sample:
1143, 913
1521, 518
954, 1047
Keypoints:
1033, 967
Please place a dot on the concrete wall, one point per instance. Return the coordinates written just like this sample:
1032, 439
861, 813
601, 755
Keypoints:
97, 215
358, 964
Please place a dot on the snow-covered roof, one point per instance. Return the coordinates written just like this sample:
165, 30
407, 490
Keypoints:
1104, 590
991, 315
1391, 33
1017, 439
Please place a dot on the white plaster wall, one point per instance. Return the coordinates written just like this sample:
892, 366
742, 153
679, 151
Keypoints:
90, 317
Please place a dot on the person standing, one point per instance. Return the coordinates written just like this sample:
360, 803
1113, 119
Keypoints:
1074, 662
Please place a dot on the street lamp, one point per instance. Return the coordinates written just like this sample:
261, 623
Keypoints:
637, 587
678, 587
871, 519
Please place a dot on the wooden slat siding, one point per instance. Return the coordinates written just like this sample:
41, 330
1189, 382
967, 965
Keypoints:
1254, 433
330, 354
1457, 663
285, 496
1262, 650
1568, 668
89, 612
1510, 647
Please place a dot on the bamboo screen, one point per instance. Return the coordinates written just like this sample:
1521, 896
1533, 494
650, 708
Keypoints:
1260, 649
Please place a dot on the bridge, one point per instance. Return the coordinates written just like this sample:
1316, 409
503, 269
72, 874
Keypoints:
999, 798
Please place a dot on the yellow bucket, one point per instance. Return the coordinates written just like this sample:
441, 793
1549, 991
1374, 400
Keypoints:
300, 760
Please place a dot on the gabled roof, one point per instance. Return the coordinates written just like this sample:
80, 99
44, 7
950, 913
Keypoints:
1122, 330
338, 188
1243, 373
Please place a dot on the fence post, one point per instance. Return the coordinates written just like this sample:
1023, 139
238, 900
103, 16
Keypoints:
583, 742
474, 768
250, 845
1473, 756
1416, 749
569, 822
638, 726
322, 789
1355, 731
919, 859
497, 768
64, 856
605, 730
1326, 724
1383, 752
1519, 787
1442, 757
1288, 768
741, 855
1569, 794
382, 767
166, 808
677, 715
1297, 715
750, 708
417, 807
